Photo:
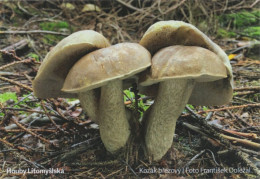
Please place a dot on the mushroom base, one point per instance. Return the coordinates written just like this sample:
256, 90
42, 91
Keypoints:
170, 101
113, 123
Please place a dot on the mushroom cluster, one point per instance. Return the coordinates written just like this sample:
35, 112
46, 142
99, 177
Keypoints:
174, 61
84, 65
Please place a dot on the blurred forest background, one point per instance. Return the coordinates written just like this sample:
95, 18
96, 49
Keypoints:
56, 133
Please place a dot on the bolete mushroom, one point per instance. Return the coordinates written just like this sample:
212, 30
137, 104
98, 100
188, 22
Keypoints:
60, 59
192, 70
108, 68
177, 69
167, 33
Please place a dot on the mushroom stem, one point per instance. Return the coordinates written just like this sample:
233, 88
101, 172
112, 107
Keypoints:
170, 101
89, 102
113, 123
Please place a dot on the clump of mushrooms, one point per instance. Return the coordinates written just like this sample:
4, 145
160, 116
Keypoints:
107, 69
76, 68
187, 67
57, 63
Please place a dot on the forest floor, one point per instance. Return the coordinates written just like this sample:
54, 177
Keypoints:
56, 136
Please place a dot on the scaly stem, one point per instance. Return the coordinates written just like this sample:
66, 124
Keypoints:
170, 101
89, 102
113, 123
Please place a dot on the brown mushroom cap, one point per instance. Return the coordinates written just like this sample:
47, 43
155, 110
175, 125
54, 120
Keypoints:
61, 58
188, 62
97, 68
185, 62
167, 33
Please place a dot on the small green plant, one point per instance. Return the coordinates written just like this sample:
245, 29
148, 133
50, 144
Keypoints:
54, 26
141, 106
34, 55
205, 108
190, 106
128, 94
8, 96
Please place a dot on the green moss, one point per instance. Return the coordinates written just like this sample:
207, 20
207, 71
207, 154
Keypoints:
54, 26
253, 31
51, 39
7, 96
240, 19
222, 33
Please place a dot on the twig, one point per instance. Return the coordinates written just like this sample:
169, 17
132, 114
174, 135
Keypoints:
47, 114
11, 53
244, 100
35, 130
29, 131
248, 135
194, 128
208, 127
11, 145
16, 83
193, 158
213, 142
19, 45
242, 156
16, 62
51, 100
92, 164
251, 152
242, 141
244, 93
33, 32
130, 168
29, 119
230, 107
174, 7
213, 156
209, 116
32, 45
137, 9
113, 173
242, 120
240, 48
29, 110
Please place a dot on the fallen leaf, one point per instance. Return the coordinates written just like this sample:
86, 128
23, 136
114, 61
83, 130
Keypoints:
231, 56
90, 8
